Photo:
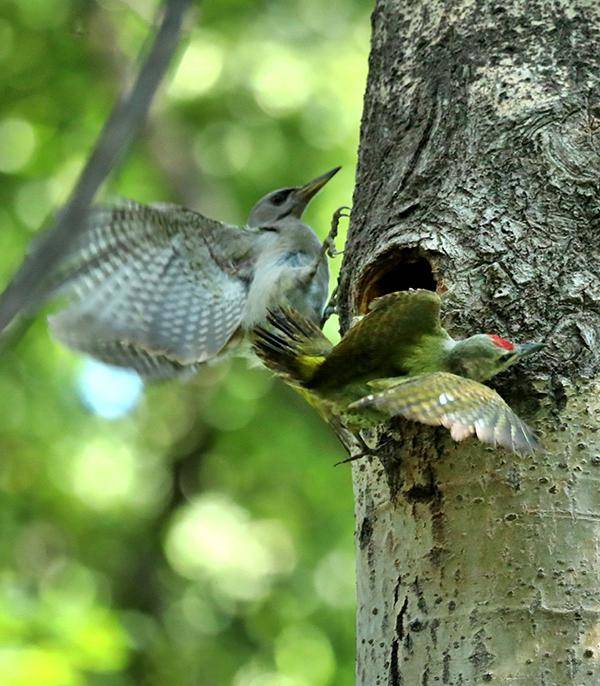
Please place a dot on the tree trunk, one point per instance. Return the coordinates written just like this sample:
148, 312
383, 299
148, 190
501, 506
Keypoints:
479, 176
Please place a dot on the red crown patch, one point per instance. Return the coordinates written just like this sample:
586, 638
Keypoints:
501, 342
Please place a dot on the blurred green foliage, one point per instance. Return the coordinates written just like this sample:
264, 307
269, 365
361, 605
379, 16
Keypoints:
204, 538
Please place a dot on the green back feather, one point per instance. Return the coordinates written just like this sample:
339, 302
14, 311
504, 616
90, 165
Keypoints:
383, 343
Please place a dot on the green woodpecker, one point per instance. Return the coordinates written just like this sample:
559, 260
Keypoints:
399, 361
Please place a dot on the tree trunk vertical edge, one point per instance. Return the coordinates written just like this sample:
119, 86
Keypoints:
479, 176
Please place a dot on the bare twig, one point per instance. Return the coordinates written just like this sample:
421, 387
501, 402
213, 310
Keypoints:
25, 290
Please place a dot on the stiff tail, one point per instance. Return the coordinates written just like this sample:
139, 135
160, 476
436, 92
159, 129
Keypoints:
291, 345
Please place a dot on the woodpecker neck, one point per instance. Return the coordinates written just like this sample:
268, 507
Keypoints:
431, 354
287, 235
478, 357
284, 256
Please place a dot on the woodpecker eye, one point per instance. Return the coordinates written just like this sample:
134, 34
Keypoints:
280, 197
501, 342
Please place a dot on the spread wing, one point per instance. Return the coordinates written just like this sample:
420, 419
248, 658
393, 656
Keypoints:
155, 282
462, 405
151, 366
375, 345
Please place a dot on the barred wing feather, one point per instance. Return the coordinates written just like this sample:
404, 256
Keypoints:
463, 406
151, 366
162, 280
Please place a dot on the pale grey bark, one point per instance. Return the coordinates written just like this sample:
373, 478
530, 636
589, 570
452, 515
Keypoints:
479, 176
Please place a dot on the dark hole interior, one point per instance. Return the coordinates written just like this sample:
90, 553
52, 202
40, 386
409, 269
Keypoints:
402, 270
401, 276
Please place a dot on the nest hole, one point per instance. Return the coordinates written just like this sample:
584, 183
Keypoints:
399, 271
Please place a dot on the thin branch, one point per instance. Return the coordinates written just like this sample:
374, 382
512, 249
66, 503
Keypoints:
25, 290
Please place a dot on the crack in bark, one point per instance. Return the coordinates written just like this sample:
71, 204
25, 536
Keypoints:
397, 590
446, 668
423, 141
366, 531
394, 674
400, 619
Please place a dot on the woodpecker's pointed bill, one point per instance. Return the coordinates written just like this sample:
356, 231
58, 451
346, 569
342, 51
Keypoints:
304, 194
526, 349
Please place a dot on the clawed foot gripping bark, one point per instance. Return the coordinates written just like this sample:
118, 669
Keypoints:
330, 250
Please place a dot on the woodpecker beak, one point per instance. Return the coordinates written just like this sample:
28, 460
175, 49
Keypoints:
525, 349
304, 194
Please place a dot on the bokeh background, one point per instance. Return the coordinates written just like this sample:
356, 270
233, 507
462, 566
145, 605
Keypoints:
187, 534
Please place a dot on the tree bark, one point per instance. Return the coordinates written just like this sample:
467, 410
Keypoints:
479, 169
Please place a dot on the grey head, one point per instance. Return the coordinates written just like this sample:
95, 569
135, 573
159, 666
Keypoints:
286, 202
482, 356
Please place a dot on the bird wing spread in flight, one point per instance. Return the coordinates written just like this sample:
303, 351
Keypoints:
462, 405
395, 322
155, 287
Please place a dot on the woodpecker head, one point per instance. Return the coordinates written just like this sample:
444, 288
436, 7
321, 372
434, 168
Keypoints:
482, 356
286, 202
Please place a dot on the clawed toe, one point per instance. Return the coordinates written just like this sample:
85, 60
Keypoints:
329, 244
331, 250
352, 458
343, 211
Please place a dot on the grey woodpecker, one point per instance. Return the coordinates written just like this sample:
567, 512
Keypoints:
399, 361
162, 289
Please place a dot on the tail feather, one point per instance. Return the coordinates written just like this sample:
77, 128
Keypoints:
294, 325
291, 345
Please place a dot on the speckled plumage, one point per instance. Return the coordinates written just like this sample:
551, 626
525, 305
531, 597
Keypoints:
399, 361
463, 406
162, 289
152, 277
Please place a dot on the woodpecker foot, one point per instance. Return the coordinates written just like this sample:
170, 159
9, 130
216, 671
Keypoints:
329, 248
365, 452
331, 307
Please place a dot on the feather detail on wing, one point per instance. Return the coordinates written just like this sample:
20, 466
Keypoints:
395, 323
463, 406
162, 280
152, 367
